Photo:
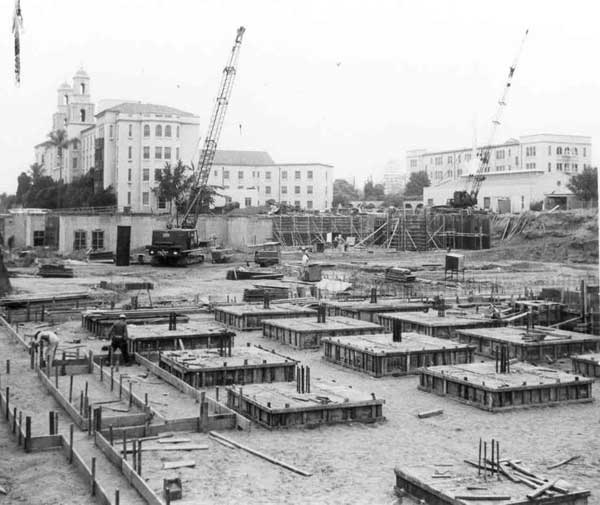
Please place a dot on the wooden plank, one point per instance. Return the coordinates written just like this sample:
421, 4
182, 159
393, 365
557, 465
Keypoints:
430, 413
482, 497
542, 489
175, 447
172, 440
169, 465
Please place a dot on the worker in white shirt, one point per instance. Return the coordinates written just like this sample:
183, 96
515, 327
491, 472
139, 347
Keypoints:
305, 261
50, 341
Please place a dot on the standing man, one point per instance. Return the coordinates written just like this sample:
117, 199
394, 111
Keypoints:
50, 340
118, 338
305, 261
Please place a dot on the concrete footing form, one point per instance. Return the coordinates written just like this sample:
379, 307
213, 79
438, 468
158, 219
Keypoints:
429, 323
379, 355
479, 385
587, 364
281, 406
245, 365
306, 334
250, 317
462, 484
541, 343
160, 338
367, 311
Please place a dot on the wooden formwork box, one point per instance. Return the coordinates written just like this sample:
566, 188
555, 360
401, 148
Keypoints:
588, 365
235, 317
370, 312
170, 340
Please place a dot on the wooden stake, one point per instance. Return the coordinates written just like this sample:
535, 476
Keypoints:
139, 455
117, 501
28, 434
71, 428
93, 477
124, 445
71, 388
111, 435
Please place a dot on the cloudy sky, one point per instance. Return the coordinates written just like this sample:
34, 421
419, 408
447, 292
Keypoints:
350, 83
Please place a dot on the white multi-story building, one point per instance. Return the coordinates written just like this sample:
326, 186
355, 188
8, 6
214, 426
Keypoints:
519, 172
75, 112
252, 178
394, 177
130, 142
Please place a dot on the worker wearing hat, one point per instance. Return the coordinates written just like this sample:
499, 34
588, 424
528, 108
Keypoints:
50, 341
118, 338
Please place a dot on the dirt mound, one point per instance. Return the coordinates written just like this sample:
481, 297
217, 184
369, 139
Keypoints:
563, 236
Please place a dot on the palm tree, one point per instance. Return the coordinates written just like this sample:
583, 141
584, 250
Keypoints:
59, 139
36, 171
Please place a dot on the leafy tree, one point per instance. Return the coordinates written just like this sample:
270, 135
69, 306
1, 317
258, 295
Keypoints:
36, 171
7, 201
343, 192
416, 183
174, 183
24, 183
394, 199
373, 191
585, 184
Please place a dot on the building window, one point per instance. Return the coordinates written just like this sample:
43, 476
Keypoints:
145, 198
225, 174
413, 163
129, 198
575, 167
82, 115
309, 174
240, 174
80, 240
450, 160
167, 153
146, 152
567, 151
268, 190
575, 151
284, 190
158, 153
284, 174
268, 175
296, 203
74, 162
438, 160
297, 174
129, 175
500, 154
549, 167
146, 130
130, 131
500, 168
559, 150
110, 132
97, 239
549, 150
559, 167
309, 190
157, 174
522, 202
516, 161
38, 238
177, 153
82, 88
146, 174
248, 202
487, 202
309, 204
468, 157
297, 190
168, 130
66, 100
530, 151
584, 152
177, 131
162, 203
129, 153
158, 130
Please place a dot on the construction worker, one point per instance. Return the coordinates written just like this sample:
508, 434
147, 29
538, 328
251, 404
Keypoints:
118, 338
50, 340
305, 262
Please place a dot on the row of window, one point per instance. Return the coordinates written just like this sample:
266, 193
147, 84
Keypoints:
80, 239
158, 131
256, 174
159, 153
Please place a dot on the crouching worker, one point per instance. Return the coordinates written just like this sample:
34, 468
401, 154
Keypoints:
50, 341
118, 338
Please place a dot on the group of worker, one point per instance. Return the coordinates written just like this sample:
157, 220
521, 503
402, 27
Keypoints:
118, 335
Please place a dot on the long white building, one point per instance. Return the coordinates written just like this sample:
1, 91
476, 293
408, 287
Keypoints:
520, 172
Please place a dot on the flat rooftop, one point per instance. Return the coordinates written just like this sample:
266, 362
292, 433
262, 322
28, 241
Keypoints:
521, 375
539, 335
209, 359
281, 393
279, 308
432, 319
383, 343
331, 323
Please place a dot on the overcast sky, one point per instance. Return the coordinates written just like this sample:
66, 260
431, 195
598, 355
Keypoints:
350, 83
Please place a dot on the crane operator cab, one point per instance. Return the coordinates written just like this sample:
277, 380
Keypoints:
176, 247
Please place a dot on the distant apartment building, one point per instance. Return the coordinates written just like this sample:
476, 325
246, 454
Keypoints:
394, 177
75, 112
520, 172
252, 178
130, 143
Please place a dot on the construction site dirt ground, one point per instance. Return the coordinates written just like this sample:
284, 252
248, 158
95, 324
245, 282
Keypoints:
350, 463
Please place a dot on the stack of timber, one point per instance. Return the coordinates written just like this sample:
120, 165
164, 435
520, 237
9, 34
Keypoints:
53, 270
127, 286
481, 385
587, 364
241, 273
504, 481
100, 321
257, 294
101, 256
21, 308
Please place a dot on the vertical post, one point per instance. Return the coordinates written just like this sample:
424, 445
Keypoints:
120, 387
139, 462
111, 435
81, 403
89, 418
93, 477
112, 378
485, 460
20, 427
71, 388
498, 458
130, 394
55, 376
7, 400
117, 501
14, 419
27, 433
493, 456
134, 453
308, 379
32, 357
217, 393
101, 370
71, 443
51, 422
7, 366
56, 423
125, 444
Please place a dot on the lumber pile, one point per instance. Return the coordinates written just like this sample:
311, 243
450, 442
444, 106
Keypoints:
243, 273
54, 270
257, 294
101, 256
